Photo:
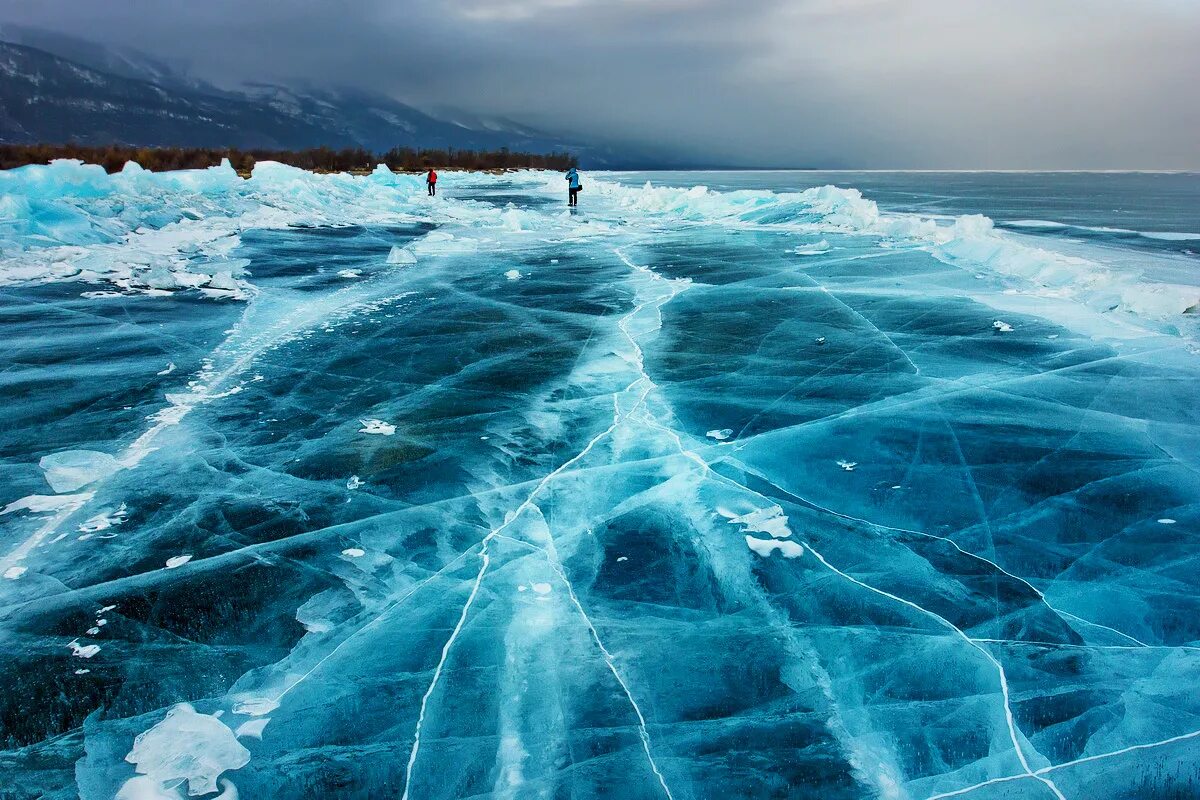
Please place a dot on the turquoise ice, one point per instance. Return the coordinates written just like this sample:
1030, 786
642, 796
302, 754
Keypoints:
319, 487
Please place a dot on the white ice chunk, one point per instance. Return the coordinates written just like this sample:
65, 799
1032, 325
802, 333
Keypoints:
177, 561
401, 255
377, 426
764, 547
1002, 326
349, 273
169, 369
354, 483
83, 650
252, 728
354, 552
188, 746
143, 787
720, 435
541, 588
770, 520
813, 249
74, 469
847, 465
1166, 521
512, 275
12, 573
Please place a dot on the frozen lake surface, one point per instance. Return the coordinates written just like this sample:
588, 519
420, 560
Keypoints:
318, 487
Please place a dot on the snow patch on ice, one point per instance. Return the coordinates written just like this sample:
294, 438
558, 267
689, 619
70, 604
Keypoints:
765, 547
12, 573
105, 520
41, 503
377, 426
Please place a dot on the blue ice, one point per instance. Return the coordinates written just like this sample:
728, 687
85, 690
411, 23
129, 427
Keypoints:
319, 487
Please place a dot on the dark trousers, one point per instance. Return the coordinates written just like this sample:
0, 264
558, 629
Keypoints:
432, 188
572, 197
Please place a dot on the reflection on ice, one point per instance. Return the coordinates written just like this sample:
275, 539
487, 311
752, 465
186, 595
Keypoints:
477, 498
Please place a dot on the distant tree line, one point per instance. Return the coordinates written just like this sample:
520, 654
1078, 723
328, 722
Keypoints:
318, 159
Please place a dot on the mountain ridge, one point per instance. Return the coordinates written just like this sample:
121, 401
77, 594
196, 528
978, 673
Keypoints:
45, 97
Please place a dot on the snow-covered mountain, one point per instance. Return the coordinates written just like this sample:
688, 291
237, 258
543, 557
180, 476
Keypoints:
55, 88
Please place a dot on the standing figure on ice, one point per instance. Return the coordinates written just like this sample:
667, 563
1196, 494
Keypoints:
573, 187
431, 182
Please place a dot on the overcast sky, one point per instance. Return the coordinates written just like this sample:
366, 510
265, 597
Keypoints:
846, 83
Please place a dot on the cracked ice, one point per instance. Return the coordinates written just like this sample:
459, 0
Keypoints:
471, 496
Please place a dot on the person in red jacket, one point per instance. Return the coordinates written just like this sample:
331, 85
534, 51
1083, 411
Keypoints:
431, 182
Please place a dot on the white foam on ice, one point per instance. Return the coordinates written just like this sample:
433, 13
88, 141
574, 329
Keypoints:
188, 746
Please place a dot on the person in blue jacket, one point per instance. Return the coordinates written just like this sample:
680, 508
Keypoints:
573, 187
